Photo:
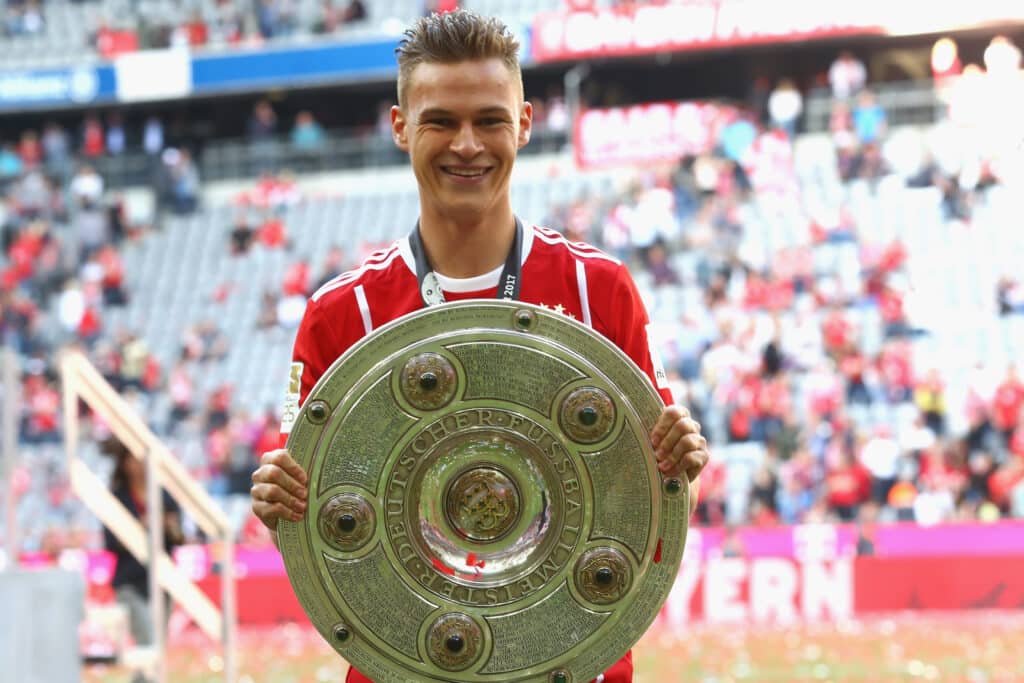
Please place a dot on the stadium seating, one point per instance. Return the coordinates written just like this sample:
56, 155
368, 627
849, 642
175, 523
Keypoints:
173, 275
66, 36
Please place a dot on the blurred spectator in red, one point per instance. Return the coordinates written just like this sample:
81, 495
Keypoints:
93, 144
761, 515
41, 408
90, 326
896, 371
269, 435
296, 279
711, 504
847, 485
271, 232
439, 6
272, 191
196, 31
112, 283
1007, 403
218, 408
837, 332
941, 470
111, 42
743, 409
30, 150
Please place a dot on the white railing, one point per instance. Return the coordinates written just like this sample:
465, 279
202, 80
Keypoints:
82, 382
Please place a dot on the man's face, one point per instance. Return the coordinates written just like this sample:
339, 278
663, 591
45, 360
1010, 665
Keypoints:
462, 125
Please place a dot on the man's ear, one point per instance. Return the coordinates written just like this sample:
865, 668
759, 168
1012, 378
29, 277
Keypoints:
525, 123
399, 130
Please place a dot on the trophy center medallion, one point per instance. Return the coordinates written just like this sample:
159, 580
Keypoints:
482, 504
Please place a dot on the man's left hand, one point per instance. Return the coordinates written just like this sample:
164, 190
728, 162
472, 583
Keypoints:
678, 443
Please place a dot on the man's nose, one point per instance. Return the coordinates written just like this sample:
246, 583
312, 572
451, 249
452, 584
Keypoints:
466, 142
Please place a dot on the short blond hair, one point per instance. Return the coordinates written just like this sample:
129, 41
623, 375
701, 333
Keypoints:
452, 37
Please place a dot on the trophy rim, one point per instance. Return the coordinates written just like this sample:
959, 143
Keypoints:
298, 544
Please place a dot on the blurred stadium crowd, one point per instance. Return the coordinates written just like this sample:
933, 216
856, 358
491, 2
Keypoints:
792, 281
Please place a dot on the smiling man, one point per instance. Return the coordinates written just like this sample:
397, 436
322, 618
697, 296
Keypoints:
462, 118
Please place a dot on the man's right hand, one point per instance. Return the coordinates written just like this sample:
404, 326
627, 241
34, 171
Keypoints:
278, 489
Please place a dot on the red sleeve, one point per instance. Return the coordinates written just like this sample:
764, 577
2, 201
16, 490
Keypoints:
315, 347
627, 328
318, 344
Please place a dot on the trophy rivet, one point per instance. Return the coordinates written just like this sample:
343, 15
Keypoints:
318, 411
524, 319
347, 523
428, 381
588, 416
673, 486
604, 576
341, 634
559, 677
455, 643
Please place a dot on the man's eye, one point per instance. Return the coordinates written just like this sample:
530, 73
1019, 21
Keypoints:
491, 122
439, 122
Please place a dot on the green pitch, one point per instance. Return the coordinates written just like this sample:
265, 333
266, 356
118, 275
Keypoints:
962, 647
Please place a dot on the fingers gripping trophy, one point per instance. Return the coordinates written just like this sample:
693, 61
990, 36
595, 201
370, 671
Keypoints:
484, 477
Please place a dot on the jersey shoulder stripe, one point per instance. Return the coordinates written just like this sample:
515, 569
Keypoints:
378, 260
579, 249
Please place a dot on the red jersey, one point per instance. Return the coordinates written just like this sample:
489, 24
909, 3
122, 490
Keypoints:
1007, 404
572, 278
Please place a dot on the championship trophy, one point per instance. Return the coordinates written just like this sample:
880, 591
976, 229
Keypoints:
484, 502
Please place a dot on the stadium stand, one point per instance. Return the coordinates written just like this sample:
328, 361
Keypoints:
802, 322
50, 32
